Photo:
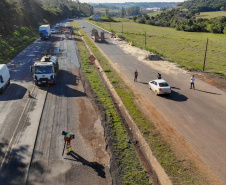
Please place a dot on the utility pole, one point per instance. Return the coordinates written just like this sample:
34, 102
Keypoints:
145, 38
205, 55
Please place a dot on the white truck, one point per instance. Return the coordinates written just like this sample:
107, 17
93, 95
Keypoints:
45, 32
45, 71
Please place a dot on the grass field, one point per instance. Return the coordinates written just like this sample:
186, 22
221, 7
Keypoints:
209, 15
154, 13
187, 49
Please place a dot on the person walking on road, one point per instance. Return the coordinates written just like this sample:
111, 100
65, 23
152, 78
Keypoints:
193, 82
67, 139
135, 75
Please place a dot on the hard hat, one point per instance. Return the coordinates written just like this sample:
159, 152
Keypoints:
64, 133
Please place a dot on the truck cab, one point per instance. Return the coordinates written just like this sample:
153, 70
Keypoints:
45, 71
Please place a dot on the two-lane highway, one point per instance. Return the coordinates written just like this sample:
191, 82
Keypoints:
198, 115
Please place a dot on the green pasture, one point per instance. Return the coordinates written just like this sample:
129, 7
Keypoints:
154, 13
187, 49
209, 15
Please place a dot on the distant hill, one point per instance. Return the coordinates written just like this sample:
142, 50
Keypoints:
135, 4
204, 5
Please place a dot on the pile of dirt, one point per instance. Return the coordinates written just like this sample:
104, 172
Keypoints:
153, 57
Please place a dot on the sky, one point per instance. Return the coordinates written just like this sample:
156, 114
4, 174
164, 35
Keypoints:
123, 1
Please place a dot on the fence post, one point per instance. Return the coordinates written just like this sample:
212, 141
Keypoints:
205, 56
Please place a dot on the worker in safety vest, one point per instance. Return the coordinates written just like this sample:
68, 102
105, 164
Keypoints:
67, 138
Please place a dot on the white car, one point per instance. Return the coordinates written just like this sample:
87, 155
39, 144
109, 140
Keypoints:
160, 86
83, 26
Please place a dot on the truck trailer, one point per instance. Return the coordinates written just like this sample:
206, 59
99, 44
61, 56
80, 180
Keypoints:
45, 32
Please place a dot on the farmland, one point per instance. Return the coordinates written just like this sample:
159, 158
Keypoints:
187, 49
209, 15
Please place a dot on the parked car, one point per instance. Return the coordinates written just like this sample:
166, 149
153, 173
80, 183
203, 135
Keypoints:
4, 77
160, 86
83, 26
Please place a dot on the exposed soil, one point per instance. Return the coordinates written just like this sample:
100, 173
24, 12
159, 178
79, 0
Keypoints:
99, 109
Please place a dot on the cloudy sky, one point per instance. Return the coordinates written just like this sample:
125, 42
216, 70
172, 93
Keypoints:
123, 1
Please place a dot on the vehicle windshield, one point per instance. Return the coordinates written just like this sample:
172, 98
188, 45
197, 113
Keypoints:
43, 69
163, 84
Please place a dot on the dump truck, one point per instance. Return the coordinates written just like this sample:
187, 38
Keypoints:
96, 37
45, 32
45, 71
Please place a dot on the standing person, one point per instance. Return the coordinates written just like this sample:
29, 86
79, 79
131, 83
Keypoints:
67, 138
135, 75
159, 76
193, 82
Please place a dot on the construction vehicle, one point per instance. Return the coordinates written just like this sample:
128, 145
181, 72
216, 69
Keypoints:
96, 37
45, 71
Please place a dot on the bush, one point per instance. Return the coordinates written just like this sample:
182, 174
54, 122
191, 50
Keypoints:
26, 39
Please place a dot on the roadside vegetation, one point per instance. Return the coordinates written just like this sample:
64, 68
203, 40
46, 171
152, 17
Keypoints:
180, 171
187, 49
11, 46
127, 159
33, 13
20, 20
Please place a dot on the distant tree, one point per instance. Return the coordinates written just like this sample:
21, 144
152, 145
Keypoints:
122, 12
106, 11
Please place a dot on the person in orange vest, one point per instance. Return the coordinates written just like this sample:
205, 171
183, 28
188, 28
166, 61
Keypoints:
67, 138
135, 75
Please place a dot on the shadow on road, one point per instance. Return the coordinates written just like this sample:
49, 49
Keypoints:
207, 92
13, 92
66, 85
146, 83
96, 166
175, 88
12, 171
175, 96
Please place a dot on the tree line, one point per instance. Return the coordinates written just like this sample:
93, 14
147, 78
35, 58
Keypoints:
32, 13
204, 5
184, 20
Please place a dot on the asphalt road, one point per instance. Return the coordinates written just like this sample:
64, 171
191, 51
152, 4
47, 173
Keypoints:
31, 143
198, 115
